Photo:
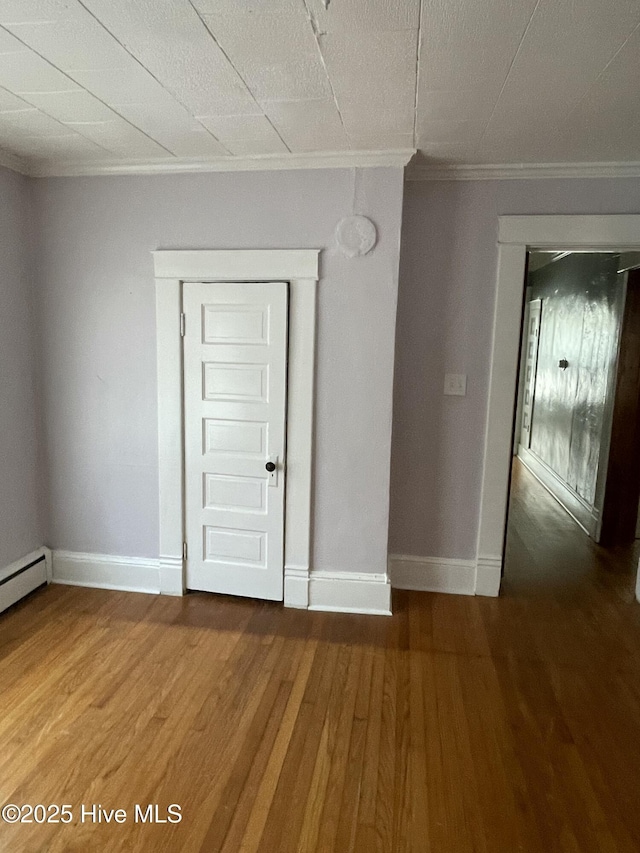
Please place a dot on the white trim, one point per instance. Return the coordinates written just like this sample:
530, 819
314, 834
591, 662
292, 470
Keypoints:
296, 586
48, 558
516, 234
582, 233
300, 269
12, 591
396, 157
488, 576
432, 574
236, 264
350, 592
171, 576
103, 571
521, 171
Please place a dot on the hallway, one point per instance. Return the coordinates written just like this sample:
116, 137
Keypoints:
550, 558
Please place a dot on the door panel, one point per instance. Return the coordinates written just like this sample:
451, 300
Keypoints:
531, 356
235, 366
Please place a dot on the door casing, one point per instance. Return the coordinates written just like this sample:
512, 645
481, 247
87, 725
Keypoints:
516, 236
299, 267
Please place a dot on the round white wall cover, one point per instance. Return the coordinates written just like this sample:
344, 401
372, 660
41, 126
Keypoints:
356, 235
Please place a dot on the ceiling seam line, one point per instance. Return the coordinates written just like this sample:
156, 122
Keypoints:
240, 77
418, 57
613, 58
151, 74
316, 36
507, 75
68, 75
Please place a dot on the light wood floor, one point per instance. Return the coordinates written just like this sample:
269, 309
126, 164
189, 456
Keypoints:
459, 724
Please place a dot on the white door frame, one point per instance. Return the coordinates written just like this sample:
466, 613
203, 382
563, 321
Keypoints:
299, 267
516, 235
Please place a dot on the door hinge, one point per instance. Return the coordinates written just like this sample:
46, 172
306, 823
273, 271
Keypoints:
182, 324
184, 551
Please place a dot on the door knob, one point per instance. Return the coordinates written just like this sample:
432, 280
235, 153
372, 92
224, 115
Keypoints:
271, 467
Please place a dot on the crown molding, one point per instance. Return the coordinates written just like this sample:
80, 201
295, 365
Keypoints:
521, 171
310, 160
16, 164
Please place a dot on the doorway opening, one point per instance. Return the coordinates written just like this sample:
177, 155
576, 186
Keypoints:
572, 518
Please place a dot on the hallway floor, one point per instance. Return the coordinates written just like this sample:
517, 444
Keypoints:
549, 556
458, 725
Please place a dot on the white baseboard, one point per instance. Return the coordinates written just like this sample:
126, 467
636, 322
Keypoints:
171, 575
350, 592
23, 576
296, 587
345, 592
433, 574
488, 576
130, 574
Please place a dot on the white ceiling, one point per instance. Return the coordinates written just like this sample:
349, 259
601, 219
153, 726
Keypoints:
93, 82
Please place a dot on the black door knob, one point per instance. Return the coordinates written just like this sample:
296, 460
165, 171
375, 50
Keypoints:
270, 466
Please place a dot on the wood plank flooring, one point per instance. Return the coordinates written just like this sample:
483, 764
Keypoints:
459, 724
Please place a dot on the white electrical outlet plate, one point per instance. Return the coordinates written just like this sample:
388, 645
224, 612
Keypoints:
455, 384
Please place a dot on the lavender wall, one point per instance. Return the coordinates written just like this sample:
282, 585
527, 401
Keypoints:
445, 315
20, 530
97, 324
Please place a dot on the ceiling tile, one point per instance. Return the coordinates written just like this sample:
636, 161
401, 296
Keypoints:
359, 119
78, 42
57, 147
465, 42
313, 125
561, 67
9, 43
195, 143
71, 106
439, 130
295, 81
276, 55
23, 11
120, 137
131, 85
258, 39
10, 102
173, 127
377, 141
365, 15
245, 134
172, 42
377, 69
28, 72
32, 123
236, 7
474, 104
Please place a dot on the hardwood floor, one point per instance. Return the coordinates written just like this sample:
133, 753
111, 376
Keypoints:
459, 724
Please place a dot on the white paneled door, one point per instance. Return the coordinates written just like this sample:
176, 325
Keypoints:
531, 362
235, 383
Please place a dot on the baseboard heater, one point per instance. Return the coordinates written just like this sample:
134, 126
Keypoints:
21, 578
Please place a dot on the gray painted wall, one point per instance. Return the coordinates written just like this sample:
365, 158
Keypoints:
445, 315
97, 325
20, 530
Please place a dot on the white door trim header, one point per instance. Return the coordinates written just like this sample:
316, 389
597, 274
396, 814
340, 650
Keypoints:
300, 269
517, 234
